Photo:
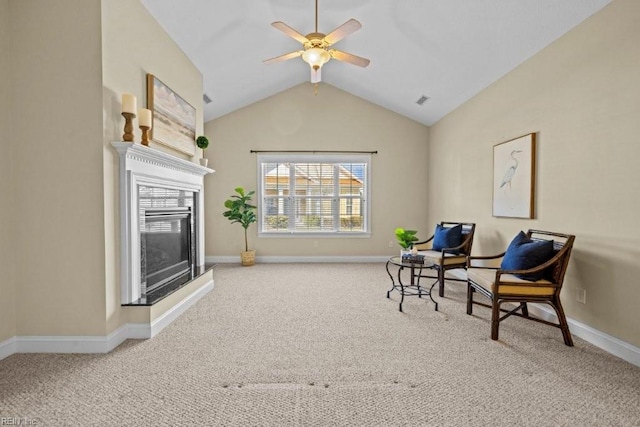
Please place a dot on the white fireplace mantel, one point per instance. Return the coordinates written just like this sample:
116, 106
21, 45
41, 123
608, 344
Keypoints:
142, 165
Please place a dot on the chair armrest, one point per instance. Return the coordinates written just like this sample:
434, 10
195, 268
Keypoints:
537, 269
453, 250
457, 250
424, 242
486, 261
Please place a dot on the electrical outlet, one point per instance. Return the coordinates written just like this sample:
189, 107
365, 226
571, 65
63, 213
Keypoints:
581, 295
390, 243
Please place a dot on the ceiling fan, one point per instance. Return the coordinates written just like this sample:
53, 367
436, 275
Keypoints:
317, 45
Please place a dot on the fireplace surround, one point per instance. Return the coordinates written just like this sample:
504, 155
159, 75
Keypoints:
161, 220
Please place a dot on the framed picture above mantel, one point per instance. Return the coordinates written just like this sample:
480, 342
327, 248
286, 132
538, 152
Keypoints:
514, 166
174, 119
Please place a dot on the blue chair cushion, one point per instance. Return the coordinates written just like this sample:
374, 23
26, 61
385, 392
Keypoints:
447, 237
524, 253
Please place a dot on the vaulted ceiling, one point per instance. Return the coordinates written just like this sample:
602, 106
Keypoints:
446, 50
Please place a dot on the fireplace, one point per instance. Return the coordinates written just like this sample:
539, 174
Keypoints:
165, 247
161, 230
167, 236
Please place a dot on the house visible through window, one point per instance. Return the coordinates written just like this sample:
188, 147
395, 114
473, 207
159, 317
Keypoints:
313, 194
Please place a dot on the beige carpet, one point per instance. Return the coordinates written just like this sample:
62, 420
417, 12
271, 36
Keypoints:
320, 344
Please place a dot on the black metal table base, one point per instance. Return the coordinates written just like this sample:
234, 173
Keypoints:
412, 289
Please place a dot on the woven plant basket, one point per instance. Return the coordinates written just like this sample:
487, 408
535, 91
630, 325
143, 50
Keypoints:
248, 258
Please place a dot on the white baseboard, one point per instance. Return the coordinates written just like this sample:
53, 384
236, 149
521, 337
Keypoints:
100, 344
71, 344
299, 259
143, 331
608, 343
7, 347
174, 312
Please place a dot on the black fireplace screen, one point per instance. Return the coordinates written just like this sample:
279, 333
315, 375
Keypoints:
167, 238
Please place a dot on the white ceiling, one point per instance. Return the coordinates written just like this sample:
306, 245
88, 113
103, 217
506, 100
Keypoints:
448, 50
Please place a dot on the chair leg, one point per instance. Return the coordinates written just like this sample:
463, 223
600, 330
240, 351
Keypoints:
525, 309
470, 291
441, 280
564, 326
495, 317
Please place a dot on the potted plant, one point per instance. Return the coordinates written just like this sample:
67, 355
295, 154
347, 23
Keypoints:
406, 238
243, 212
203, 142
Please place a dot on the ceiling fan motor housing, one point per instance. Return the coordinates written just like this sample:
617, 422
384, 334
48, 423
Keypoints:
316, 40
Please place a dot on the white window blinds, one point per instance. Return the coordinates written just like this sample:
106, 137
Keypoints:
313, 194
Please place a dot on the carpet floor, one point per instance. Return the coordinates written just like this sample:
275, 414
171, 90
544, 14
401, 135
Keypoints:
319, 345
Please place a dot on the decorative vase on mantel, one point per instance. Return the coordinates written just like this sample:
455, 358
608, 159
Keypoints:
204, 161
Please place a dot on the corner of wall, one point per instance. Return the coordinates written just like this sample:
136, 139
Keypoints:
127, 23
7, 285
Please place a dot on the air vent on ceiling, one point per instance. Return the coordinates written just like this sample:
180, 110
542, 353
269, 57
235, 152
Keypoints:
422, 100
206, 98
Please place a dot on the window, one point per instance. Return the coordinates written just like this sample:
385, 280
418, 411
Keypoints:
313, 194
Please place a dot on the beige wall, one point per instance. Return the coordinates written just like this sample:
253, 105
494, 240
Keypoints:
333, 120
7, 297
56, 95
133, 45
582, 96
57, 117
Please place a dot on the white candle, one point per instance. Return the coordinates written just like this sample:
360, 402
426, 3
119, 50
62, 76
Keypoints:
128, 103
144, 117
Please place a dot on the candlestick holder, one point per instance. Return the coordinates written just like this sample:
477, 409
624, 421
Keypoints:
128, 127
145, 135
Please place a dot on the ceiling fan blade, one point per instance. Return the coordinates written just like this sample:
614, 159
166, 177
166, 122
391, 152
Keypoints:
343, 31
347, 57
316, 75
289, 31
283, 57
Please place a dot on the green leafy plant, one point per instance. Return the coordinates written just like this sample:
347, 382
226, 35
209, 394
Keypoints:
202, 142
241, 211
406, 238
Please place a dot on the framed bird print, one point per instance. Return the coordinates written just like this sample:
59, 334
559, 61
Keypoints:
514, 165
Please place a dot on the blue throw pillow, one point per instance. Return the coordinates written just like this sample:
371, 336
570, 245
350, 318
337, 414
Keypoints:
445, 237
524, 253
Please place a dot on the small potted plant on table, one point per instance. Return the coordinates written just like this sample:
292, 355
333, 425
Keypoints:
406, 238
203, 142
243, 212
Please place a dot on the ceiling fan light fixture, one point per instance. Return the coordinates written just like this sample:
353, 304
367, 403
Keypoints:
316, 75
316, 57
316, 47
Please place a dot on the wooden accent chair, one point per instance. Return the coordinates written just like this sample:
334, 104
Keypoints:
448, 258
485, 276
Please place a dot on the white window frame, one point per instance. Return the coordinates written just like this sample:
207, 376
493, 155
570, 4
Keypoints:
315, 158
